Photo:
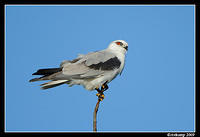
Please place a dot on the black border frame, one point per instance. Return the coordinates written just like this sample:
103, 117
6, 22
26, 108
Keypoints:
90, 2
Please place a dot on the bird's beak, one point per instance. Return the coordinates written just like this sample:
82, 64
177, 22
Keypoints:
126, 48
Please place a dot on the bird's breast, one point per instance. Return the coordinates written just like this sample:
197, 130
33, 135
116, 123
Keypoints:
121, 57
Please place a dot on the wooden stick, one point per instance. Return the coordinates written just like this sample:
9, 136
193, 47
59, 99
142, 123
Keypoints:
95, 116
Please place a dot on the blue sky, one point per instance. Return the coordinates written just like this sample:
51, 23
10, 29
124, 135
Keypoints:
154, 93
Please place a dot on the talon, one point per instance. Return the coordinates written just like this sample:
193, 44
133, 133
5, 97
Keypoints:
100, 96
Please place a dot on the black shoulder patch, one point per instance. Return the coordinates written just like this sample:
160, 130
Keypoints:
110, 64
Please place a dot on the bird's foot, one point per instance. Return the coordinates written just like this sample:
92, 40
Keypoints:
100, 95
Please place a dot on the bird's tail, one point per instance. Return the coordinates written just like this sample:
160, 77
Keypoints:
46, 74
49, 74
52, 84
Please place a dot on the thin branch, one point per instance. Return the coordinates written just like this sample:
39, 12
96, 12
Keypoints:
100, 98
95, 115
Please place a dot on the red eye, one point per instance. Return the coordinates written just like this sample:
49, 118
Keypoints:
118, 43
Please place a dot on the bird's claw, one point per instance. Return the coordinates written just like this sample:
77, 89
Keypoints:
100, 96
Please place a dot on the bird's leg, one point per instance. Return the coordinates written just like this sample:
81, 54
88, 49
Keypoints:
104, 87
98, 90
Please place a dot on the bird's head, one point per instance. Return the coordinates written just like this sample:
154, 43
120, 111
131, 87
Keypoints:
119, 45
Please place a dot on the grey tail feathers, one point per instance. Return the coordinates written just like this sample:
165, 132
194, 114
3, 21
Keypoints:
45, 73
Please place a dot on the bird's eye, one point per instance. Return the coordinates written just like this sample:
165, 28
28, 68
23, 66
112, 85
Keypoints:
119, 43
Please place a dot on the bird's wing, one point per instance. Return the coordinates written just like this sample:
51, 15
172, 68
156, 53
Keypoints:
102, 60
67, 62
90, 65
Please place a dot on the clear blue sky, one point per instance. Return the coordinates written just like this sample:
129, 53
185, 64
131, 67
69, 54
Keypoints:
154, 93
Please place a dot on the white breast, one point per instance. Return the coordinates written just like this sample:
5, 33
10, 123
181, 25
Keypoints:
121, 57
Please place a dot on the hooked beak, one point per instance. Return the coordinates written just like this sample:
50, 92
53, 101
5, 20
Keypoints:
126, 48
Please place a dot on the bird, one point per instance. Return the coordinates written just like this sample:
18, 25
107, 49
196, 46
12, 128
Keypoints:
93, 70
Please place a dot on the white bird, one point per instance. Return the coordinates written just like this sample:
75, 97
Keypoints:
93, 70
